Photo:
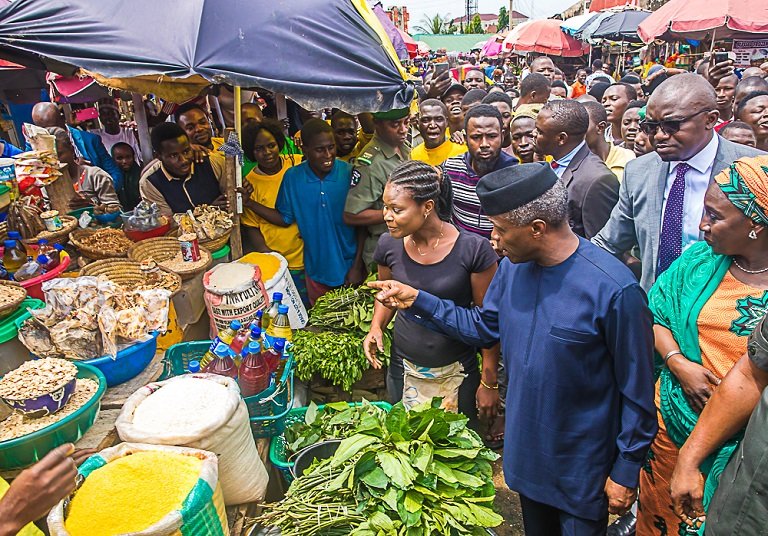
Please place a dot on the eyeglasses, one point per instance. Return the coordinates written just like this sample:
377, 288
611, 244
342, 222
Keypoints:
668, 126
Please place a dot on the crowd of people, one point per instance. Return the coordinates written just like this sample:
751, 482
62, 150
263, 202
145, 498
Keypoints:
601, 243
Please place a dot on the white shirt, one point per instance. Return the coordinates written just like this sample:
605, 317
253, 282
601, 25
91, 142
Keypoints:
697, 180
125, 135
563, 162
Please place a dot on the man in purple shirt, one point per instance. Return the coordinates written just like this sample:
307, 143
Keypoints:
483, 124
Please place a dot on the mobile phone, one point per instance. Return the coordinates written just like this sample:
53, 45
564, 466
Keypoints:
721, 57
440, 67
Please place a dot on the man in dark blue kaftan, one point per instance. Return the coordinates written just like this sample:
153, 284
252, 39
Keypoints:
576, 336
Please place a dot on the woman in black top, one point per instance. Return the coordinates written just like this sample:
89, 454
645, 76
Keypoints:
423, 249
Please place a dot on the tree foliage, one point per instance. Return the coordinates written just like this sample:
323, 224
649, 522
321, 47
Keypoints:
503, 18
436, 24
475, 26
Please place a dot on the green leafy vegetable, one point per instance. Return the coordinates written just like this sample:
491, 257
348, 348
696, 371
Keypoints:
414, 473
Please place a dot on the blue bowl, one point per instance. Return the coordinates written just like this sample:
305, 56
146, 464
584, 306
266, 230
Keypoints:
129, 363
43, 405
107, 218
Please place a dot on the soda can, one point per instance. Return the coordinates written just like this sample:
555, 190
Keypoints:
190, 248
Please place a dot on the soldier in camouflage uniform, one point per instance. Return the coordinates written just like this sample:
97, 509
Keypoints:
378, 159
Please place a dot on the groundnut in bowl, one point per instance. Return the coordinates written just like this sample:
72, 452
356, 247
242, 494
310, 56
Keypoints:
39, 387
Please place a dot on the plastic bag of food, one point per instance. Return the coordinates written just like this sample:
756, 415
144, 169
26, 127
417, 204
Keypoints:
179, 494
202, 411
422, 384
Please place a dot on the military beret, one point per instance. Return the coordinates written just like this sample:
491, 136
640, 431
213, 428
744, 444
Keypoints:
392, 115
512, 187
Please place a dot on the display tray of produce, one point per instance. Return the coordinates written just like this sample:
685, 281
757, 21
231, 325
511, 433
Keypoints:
24, 440
421, 469
212, 226
102, 243
11, 296
333, 346
92, 319
166, 252
59, 236
315, 423
267, 410
134, 275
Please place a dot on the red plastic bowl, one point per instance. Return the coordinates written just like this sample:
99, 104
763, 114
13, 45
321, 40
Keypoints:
34, 286
138, 236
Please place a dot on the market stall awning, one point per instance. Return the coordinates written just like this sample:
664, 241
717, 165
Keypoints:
573, 25
620, 26
543, 36
392, 32
321, 53
697, 19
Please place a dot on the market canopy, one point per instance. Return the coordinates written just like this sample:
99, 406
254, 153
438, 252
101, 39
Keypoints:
320, 53
545, 37
573, 25
697, 19
620, 26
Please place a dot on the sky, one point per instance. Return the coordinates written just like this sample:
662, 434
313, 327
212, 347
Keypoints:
455, 8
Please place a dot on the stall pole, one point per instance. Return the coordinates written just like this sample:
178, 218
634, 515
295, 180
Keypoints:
234, 179
140, 113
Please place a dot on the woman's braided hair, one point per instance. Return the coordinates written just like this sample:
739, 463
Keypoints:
424, 182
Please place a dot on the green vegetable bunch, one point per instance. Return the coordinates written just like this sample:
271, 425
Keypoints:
344, 309
336, 353
335, 421
422, 473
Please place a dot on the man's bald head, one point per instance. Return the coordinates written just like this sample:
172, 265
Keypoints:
689, 101
752, 71
748, 85
688, 91
47, 114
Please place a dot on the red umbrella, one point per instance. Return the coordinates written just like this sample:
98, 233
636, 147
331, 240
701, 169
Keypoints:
543, 36
695, 19
410, 44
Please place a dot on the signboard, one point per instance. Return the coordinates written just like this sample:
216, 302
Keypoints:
749, 52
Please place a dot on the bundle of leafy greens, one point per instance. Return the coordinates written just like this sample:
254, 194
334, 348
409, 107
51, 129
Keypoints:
334, 421
422, 473
333, 348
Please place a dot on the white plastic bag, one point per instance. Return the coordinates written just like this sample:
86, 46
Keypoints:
421, 384
222, 428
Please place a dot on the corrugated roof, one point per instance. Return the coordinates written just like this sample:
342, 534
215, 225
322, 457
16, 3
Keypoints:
457, 42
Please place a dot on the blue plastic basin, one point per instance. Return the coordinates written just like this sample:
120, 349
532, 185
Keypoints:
129, 362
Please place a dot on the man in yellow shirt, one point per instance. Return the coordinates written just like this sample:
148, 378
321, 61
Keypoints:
349, 139
198, 126
615, 157
433, 122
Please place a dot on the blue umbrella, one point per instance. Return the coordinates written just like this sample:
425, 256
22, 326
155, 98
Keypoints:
621, 26
331, 53
573, 25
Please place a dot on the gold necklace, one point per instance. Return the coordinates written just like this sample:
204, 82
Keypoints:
437, 242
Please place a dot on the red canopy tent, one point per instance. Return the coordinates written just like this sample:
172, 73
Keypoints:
696, 19
410, 44
543, 36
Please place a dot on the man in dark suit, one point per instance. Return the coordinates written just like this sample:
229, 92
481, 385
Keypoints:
88, 145
592, 189
680, 121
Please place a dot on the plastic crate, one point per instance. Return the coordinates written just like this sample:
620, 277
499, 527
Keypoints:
267, 410
278, 452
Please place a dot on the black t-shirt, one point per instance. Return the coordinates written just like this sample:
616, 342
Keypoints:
448, 279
